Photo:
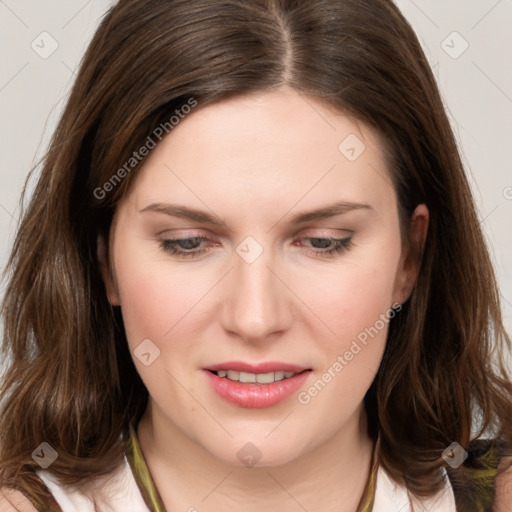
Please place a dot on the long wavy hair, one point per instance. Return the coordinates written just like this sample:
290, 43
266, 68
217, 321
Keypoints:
70, 379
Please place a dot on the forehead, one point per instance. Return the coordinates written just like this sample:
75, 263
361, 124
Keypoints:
268, 149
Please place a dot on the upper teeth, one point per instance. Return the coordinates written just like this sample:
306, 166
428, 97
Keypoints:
262, 378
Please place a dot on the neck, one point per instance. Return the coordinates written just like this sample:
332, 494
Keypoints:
330, 477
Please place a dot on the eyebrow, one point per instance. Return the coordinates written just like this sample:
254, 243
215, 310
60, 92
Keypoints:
184, 212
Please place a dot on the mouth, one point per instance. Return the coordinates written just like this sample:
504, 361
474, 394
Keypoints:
256, 386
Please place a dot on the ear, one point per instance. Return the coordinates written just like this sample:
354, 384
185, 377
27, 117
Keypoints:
412, 252
106, 272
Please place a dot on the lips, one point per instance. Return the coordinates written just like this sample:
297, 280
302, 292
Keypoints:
258, 392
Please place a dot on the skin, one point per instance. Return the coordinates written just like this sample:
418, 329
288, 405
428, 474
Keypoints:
255, 162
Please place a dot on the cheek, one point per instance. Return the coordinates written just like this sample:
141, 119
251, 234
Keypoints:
354, 298
144, 303
354, 303
155, 297
158, 305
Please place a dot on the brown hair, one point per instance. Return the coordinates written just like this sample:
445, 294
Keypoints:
71, 380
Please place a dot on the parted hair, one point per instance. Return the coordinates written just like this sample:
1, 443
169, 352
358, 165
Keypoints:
69, 377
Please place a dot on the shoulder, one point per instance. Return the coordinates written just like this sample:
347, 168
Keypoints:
481, 480
503, 488
15, 501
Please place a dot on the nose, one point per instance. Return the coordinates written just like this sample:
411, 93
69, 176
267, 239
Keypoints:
257, 303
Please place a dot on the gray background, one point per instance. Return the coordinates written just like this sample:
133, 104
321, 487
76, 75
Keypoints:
468, 43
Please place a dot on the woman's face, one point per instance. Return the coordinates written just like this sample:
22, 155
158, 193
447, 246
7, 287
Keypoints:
258, 276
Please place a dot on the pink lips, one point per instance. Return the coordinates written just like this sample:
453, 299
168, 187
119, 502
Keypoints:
253, 395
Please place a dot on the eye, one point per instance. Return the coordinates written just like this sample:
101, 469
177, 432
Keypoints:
191, 246
183, 247
328, 246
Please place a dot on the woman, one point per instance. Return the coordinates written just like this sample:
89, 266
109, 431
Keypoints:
252, 275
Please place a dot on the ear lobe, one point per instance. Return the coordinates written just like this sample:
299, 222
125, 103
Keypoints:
410, 261
106, 274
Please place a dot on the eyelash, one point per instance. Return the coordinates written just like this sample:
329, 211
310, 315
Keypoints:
341, 245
